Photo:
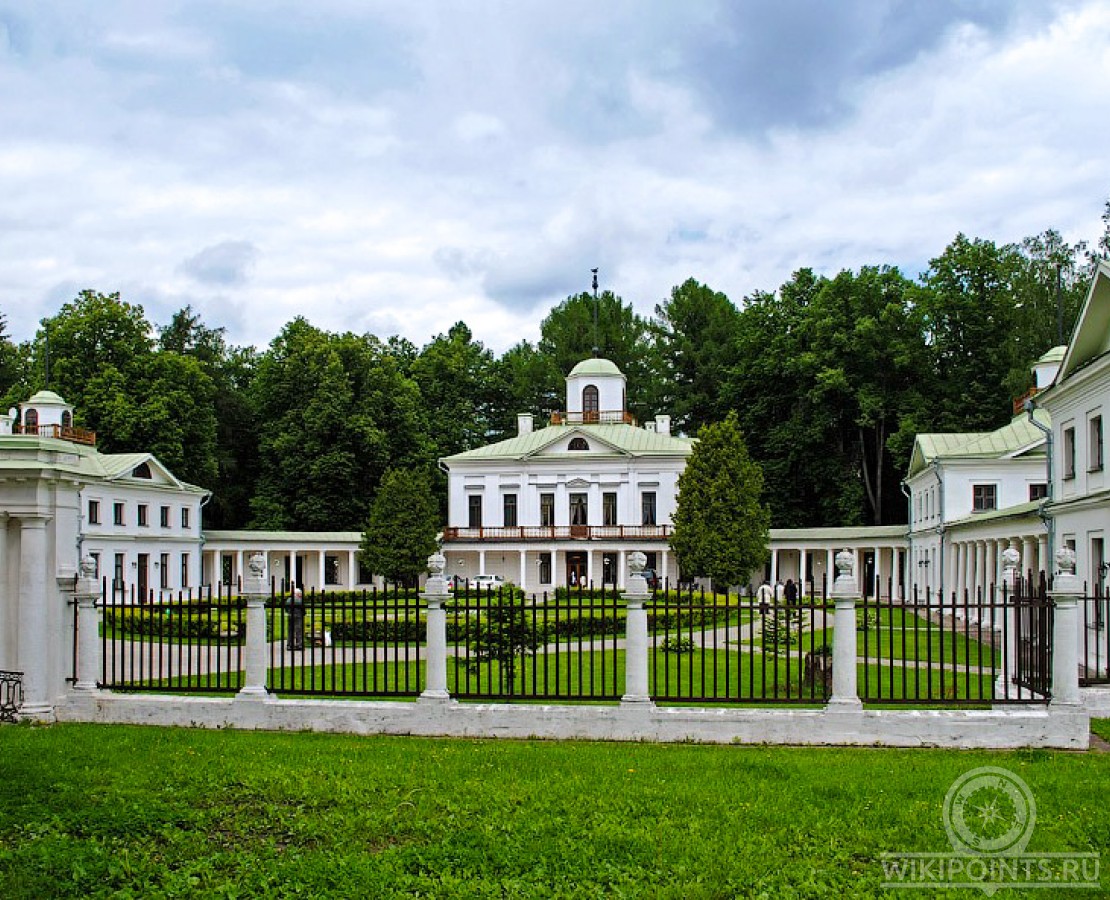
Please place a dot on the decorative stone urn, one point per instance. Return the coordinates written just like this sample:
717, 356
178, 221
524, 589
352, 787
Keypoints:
845, 562
1065, 561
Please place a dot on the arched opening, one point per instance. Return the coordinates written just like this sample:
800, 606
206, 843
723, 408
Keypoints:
31, 421
578, 444
590, 408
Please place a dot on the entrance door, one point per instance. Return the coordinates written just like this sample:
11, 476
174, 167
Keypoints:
576, 569
143, 580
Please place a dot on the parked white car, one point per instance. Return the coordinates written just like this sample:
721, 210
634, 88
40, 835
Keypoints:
485, 582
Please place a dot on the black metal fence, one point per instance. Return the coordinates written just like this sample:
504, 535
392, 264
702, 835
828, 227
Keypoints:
567, 645
571, 645
733, 648
978, 648
189, 642
1094, 653
365, 643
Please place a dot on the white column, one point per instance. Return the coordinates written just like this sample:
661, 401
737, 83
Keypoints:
1066, 591
663, 562
523, 568
240, 571
292, 569
980, 568
88, 634
637, 691
7, 608
802, 571
321, 580
352, 570
435, 682
481, 562
256, 661
845, 695
830, 569
775, 567
34, 624
1028, 560
621, 563
1044, 560
589, 566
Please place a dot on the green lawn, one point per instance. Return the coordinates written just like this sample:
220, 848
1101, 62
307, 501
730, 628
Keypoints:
104, 811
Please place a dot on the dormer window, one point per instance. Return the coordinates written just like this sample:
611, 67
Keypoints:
578, 444
142, 470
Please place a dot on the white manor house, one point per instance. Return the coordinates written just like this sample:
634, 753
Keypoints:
567, 502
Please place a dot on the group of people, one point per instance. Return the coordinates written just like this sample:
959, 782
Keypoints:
789, 592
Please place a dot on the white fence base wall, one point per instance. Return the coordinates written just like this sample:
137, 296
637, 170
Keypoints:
1003, 728
1096, 700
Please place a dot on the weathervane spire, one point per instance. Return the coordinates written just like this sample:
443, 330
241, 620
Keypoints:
597, 348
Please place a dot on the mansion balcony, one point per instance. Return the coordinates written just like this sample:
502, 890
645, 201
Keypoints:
594, 417
62, 432
559, 533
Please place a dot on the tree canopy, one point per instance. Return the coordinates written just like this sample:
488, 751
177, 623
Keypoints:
720, 525
400, 534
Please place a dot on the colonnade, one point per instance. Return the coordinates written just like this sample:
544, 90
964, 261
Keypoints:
973, 566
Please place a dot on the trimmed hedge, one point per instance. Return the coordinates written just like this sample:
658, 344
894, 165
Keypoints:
149, 622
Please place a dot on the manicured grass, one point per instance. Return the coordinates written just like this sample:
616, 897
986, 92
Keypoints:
1101, 727
101, 811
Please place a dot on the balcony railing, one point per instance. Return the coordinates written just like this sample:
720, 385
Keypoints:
559, 533
594, 417
62, 432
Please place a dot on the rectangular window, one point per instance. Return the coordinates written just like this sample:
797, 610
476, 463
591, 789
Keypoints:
184, 570
1038, 492
545, 568
143, 512
184, 517
94, 512
609, 508
509, 504
547, 511
164, 570
1094, 444
647, 507
164, 517
983, 497
1068, 461
474, 510
579, 509
117, 513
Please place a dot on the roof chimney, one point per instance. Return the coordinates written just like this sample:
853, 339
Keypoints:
524, 423
663, 424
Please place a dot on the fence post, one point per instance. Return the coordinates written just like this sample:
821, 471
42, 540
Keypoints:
255, 591
636, 689
1066, 591
845, 695
88, 627
1006, 600
434, 595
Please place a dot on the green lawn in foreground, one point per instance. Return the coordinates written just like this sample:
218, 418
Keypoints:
103, 811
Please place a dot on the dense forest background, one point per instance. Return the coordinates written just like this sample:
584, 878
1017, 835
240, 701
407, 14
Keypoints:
830, 378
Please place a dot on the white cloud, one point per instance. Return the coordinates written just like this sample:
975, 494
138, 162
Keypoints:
398, 168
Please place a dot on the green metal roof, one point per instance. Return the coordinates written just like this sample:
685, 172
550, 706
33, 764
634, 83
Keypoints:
595, 367
1055, 354
47, 398
1020, 434
1018, 510
283, 537
605, 440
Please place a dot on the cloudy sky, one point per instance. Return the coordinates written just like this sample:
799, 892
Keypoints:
395, 167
